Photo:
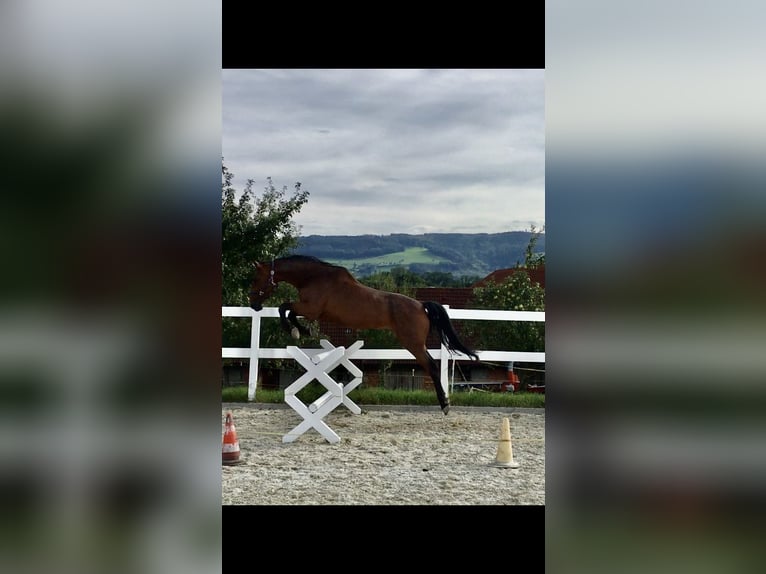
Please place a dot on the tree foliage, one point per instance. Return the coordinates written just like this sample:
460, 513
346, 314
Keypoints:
254, 228
517, 293
532, 258
398, 280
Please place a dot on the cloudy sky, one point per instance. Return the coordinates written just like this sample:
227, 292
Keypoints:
393, 151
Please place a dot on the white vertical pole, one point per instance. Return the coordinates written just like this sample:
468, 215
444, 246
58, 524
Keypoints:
255, 341
452, 377
444, 363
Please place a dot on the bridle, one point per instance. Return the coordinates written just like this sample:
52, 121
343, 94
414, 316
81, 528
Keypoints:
271, 281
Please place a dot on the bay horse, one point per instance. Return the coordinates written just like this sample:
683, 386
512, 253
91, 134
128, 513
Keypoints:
331, 293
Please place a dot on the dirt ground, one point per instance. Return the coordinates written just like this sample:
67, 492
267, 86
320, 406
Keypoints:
386, 456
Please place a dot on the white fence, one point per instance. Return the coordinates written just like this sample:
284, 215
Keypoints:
254, 353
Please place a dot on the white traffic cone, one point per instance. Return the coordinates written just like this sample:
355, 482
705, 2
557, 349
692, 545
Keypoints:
504, 456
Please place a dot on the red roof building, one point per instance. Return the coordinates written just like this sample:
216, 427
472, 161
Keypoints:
536, 274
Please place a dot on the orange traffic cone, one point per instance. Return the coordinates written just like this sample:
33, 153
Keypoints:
230, 442
504, 456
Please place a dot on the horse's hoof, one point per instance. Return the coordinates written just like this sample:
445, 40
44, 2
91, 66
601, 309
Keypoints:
295, 333
445, 409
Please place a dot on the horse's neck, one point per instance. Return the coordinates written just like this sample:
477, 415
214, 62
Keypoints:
289, 273
301, 274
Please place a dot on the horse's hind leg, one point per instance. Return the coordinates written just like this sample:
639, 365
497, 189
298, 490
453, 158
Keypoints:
435, 372
428, 364
412, 332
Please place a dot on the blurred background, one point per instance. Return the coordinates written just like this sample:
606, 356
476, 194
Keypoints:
109, 319
655, 205
109, 316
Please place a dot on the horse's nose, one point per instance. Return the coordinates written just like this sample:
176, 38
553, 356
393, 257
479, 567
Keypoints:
256, 306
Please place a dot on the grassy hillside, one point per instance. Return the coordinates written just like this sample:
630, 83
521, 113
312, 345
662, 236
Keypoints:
404, 258
455, 253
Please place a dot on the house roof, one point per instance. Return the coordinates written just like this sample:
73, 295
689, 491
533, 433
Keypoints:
536, 274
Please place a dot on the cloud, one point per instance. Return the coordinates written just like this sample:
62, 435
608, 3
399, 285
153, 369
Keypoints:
383, 151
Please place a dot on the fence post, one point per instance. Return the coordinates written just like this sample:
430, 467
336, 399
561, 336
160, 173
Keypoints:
447, 381
255, 342
444, 363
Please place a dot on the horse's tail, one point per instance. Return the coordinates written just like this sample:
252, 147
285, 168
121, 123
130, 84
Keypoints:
440, 322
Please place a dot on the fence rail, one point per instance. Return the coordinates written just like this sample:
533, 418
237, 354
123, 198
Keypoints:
254, 353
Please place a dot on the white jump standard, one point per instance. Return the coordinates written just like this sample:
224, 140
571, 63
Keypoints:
318, 365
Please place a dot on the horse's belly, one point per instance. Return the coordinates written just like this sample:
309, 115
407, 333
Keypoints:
356, 320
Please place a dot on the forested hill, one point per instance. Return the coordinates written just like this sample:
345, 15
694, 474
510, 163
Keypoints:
456, 253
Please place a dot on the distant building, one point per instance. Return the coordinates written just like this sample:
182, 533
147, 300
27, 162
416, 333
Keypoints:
536, 274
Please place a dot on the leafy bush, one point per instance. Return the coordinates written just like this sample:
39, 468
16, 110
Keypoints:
517, 293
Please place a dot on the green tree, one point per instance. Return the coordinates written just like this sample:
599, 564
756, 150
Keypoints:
254, 228
517, 293
533, 259
444, 279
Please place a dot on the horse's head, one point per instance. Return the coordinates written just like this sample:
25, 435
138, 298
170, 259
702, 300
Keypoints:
263, 284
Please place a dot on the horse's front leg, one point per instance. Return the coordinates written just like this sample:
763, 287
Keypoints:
283, 309
288, 317
305, 331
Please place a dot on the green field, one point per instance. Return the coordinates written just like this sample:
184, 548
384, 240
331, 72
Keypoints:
391, 260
